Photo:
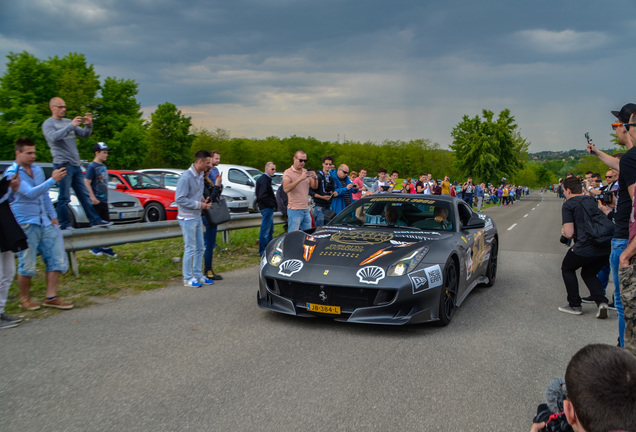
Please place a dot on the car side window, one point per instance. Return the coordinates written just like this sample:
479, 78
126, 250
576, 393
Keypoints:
238, 177
113, 181
171, 179
464, 213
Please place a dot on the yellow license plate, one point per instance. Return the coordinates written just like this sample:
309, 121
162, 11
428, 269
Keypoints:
323, 308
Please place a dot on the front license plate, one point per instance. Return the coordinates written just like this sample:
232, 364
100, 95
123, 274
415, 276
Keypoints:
312, 307
127, 215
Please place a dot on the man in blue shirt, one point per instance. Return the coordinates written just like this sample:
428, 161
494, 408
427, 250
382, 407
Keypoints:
96, 180
34, 212
479, 194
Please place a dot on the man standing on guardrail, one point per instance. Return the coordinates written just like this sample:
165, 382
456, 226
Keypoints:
60, 134
190, 202
96, 180
34, 212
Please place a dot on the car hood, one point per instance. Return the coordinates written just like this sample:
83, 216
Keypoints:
345, 246
163, 193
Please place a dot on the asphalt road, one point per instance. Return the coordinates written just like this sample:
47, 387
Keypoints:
210, 360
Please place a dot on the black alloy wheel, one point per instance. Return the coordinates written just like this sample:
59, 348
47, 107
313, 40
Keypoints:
448, 296
491, 273
154, 212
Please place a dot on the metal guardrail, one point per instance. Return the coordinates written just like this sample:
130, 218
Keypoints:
88, 238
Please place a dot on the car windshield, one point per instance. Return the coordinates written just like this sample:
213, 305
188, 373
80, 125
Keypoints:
416, 213
277, 179
254, 173
141, 181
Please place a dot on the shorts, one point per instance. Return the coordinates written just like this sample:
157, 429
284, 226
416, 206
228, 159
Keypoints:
48, 241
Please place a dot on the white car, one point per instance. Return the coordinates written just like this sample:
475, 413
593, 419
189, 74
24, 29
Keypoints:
243, 179
168, 177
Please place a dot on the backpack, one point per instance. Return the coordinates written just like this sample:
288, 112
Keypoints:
598, 228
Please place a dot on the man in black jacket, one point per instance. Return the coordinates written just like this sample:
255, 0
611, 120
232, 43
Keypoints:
324, 192
266, 205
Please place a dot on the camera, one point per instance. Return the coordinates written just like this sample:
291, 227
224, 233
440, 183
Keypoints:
606, 197
566, 241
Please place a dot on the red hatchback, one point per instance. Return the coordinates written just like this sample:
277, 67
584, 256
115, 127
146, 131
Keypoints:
158, 202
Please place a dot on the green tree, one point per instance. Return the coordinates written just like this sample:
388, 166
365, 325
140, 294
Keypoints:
169, 138
488, 149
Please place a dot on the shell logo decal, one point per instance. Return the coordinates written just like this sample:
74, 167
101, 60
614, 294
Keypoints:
290, 267
370, 274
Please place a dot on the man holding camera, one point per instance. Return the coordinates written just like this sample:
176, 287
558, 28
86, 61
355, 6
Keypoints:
296, 183
468, 191
585, 255
626, 167
323, 193
60, 134
343, 188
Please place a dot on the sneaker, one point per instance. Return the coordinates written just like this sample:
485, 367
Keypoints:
28, 305
205, 281
4, 324
102, 224
56, 303
5, 317
192, 283
602, 311
587, 299
211, 275
68, 228
611, 306
96, 251
109, 253
574, 310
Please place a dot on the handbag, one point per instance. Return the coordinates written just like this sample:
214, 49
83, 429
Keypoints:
217, 213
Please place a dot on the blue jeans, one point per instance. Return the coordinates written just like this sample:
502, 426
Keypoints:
49, 242
75, 179
603, 276
267, 229
469, 200
618, 246
319, 216
193, 251
298, 219
210, 243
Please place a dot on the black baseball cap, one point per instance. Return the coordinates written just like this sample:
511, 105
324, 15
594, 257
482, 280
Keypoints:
100, 146
625, 113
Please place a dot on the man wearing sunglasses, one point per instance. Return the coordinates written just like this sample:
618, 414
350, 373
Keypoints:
342, 195
626, 166
296, 183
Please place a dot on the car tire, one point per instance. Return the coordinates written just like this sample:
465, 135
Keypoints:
448, 294
491, 272
154, 212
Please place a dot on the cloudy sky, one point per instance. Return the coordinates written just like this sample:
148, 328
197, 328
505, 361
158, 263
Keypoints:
355, 70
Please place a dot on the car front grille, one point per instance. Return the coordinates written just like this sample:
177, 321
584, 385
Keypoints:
123, 204
346, 297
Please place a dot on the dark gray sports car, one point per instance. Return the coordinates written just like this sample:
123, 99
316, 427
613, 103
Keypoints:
385, 259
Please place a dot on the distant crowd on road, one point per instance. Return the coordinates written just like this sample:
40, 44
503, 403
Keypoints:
316, 197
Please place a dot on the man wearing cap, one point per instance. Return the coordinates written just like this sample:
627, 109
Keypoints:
96, 180
626, 180
60, 134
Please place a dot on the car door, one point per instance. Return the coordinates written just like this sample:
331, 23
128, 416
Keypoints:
239, 180
473, 246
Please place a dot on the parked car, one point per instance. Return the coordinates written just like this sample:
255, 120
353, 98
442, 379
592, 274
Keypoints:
242, 179
158, 202
122, 208
168, 177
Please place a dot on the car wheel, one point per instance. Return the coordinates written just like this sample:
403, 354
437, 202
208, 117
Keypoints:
154, 212
491, 272
448, 296
72, 221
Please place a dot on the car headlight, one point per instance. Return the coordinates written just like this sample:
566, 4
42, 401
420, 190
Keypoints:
408, 263
275, 255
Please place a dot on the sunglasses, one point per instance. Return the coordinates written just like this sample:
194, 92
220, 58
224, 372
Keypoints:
301, 160
345, 172
625, 126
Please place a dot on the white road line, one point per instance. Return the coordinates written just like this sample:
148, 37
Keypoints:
512, 226
533, 208
526, 215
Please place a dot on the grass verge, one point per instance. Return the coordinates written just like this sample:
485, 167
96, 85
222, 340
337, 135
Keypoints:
139, 267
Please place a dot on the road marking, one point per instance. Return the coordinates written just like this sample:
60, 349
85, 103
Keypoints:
533, 208
512, 226
526, 215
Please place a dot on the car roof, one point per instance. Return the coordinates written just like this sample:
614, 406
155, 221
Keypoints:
165, 170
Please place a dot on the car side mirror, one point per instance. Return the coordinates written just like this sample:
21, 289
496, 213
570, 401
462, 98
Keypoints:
120, 186
475, 222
